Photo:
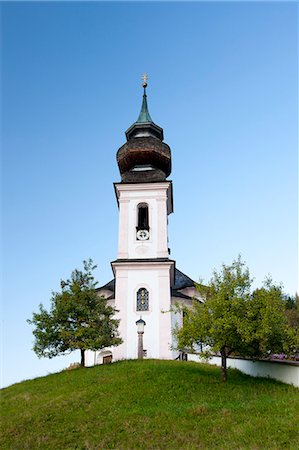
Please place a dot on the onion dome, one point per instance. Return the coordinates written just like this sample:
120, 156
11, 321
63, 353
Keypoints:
144, 157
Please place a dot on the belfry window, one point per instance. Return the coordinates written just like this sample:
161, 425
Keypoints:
142, 300
142, 217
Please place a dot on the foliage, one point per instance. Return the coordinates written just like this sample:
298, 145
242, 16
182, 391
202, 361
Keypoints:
234, 320
78, 318
264, 328
292, 315
149, 404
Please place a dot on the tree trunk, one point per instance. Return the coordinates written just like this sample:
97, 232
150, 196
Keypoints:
82, 357
223, 364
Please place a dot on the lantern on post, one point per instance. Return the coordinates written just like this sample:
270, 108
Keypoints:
140, 330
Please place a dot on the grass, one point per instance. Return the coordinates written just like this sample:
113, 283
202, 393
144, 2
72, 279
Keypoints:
150, 404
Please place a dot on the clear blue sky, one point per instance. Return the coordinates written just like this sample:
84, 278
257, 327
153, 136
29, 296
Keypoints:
222, 84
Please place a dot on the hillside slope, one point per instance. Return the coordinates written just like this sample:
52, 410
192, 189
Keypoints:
150, 405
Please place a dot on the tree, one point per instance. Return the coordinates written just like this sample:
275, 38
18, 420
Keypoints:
232, 319
78, 318
265, 329
292, 310
292, 314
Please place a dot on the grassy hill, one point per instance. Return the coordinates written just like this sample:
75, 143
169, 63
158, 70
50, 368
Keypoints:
150, 405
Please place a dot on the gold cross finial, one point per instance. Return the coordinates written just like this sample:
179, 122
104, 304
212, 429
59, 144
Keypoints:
144, 78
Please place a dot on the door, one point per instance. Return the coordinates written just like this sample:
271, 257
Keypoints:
107, 359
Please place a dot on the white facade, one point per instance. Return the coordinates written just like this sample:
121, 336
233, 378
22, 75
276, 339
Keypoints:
155, 277
144, 264
158, 197
139, 265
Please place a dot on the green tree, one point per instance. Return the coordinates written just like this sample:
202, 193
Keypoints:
232, 320
78, 318
292, 314
292, 310
265, 329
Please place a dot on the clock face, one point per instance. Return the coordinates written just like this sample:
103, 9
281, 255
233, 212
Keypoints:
142, 235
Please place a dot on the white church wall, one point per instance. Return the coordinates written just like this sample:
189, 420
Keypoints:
151, 331
176, 320
164, 317
162, 235
192, 292
123, 231
90, 358
121, 290
157, 337
156, 197
105, 293
142, 249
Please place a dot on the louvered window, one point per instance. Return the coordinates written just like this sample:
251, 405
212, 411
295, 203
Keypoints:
142, 219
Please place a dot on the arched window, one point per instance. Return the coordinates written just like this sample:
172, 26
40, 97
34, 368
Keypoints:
142, 303
142, 217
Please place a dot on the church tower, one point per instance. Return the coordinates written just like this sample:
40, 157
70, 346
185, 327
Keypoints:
146, 281
143, 271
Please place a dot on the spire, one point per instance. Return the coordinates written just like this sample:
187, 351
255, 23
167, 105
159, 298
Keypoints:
144, 115
144, 125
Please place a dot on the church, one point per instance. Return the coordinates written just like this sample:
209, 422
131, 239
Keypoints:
146, 282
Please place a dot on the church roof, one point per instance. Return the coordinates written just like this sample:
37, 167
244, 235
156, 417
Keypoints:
144, 125
181, 281
110, 286
144, 115
175, 293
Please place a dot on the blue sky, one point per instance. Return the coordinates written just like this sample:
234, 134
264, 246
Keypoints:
222, 84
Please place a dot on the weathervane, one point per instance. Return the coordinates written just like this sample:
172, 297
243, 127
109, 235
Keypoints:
144, 78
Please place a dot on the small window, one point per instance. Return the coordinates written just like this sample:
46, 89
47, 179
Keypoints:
142, 218
142, 300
